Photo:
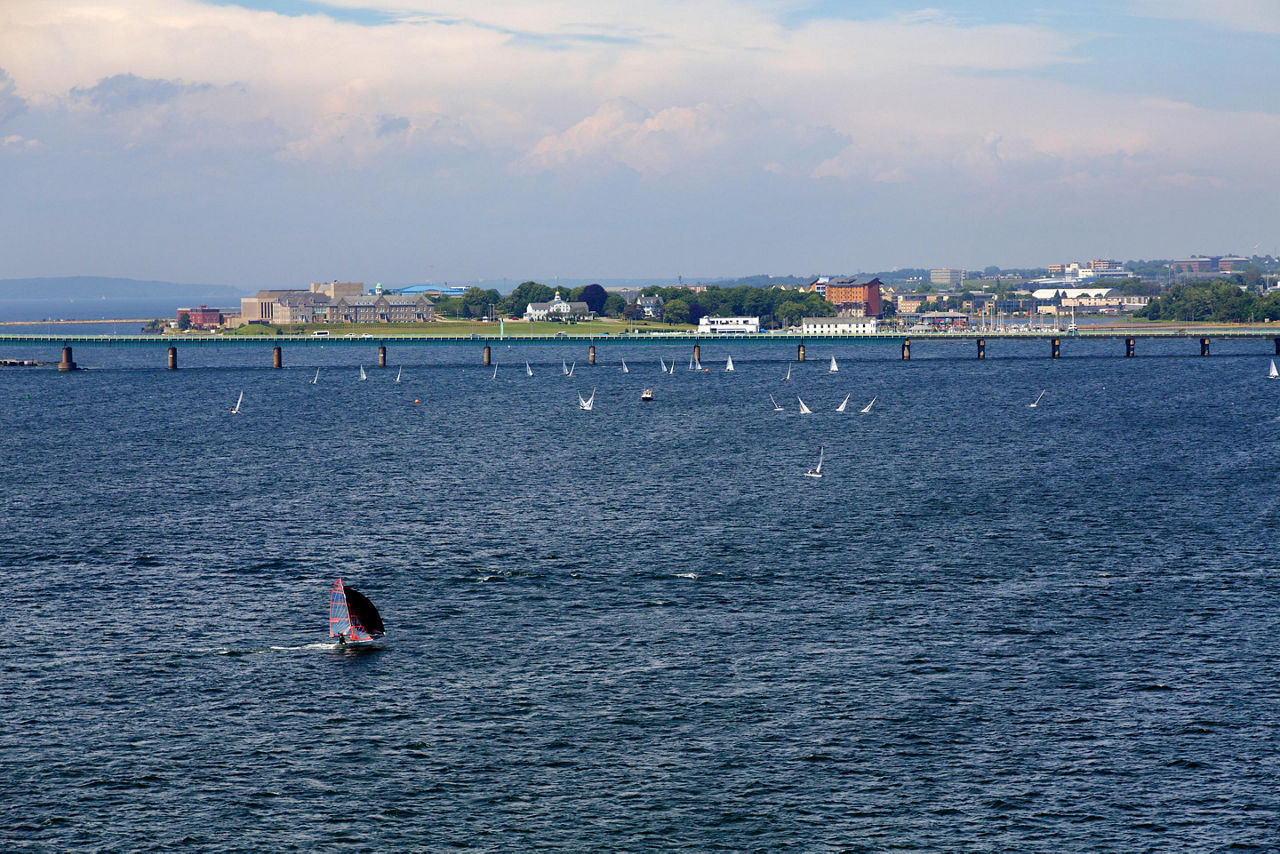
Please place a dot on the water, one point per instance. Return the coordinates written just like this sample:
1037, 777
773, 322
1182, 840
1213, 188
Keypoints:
989, 626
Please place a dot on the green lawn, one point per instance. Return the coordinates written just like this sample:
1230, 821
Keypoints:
465, 328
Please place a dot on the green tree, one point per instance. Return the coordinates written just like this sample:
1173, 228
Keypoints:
614, 305
594, 296
675, 311
525, 293
184, 321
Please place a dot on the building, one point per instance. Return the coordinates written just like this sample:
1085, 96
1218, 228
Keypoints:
948, 278
383, 308
300, 307
337, 290
1199, 264
202, 317
262, 308
651, 306
711, 325
850, 297
557, 309
909, 303
839, 325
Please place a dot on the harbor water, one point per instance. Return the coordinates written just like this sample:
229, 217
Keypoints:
988, 626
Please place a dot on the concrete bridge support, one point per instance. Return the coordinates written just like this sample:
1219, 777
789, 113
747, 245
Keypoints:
800, 353
1057, 347
173, 358
488, 356
906, 350
1278, 346
1204, 346
277, 358
382, 355
1128, 348
591, 354
982, 348
66, 364
697, 354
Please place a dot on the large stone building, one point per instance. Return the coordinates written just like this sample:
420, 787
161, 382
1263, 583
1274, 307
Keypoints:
334, 302
383, 308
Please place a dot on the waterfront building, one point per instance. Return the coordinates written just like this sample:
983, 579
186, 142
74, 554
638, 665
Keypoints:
839, 325
850, 297
337, 290
557, 309
712, 325
202, 317
383, 308
947, 278
909, 303
296, 307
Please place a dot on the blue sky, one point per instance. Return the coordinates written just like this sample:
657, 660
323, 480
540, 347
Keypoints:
277, 142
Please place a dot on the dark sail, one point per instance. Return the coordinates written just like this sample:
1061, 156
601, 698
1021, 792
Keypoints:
363, 612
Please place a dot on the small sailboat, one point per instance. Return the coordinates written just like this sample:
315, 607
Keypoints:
353, 619
834, 369
662, 362
672, 370
1274, 375
646, 395
788, 376
528, 370
316, 378
399, 373
816, 471
587, 404
728, 366
776, 407
1037, 401
804, 410
362, 373
564, 368
866, 409
571, 367
235, 410
844, 403
495, 373
625, 369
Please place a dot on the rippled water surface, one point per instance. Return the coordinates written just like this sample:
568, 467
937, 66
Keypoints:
988, 626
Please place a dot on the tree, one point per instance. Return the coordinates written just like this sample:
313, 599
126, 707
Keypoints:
614, 306
184, 321
594, 296
633, 312
675, 311
525, 293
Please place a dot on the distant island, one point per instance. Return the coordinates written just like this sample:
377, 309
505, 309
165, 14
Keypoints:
108, 288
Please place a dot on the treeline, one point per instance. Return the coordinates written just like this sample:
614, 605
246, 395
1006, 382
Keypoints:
774, 307
1219, 300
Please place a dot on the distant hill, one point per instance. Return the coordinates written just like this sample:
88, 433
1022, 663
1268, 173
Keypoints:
102, 287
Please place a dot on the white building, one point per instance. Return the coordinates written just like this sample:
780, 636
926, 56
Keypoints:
709, 324
839, 325
557, 309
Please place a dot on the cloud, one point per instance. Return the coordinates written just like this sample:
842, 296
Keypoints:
122, 92
11, 106
1249, 16
389, 125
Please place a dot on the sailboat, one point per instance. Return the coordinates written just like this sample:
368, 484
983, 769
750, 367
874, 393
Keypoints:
816, 471
662, 362
528, 370
316, 378
866, 409
834, 367
804, 410
352, 617
844, 403
1274, 375
788, 376
564, 369
625, 369
495, 373
672, 370
776, 407
587, 404
1037, 401
728, 366
691, 367
399, 372
571, 367
235, 410
362, 374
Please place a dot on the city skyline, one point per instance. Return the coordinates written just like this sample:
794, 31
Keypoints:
266, 140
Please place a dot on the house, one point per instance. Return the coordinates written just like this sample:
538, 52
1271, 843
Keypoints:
651, 306
557, 309
839, 325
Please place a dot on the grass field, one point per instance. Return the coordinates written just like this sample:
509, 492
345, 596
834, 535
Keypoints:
465, 328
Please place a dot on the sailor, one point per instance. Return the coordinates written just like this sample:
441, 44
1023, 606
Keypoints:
342, 639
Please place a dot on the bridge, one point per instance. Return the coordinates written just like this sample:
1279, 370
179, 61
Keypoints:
1129, 334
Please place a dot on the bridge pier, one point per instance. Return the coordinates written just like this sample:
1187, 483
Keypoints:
277, 358
906, 350
382, 355
982, 348
1204, 346
1278, 346
1128, 348
488, 357
697, 354
66, 364
591, 353
173, 358
800, 353
1057, 347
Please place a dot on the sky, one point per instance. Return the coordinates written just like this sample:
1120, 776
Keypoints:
271, 143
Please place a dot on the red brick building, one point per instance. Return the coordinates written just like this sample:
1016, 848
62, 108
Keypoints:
202, 317
850, 297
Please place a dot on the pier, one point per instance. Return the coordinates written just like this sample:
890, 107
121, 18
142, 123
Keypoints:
1127, 337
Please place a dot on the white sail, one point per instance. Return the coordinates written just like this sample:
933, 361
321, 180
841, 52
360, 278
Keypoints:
867, 408
362, 374
804, 410
816, 471
788, 376
316, 378
776, 407
728, 365
495, 373
662, 362
1037, 401
844, 403
528, 370
834, 367
564, 369
671, 370
399, 373
625, 369
587, 404
1275, 375
571, 367
235, 410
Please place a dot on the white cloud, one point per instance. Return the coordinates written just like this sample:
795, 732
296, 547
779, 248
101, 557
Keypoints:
1250, 16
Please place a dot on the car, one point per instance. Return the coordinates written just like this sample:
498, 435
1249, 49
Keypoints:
349, 335
365, 335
